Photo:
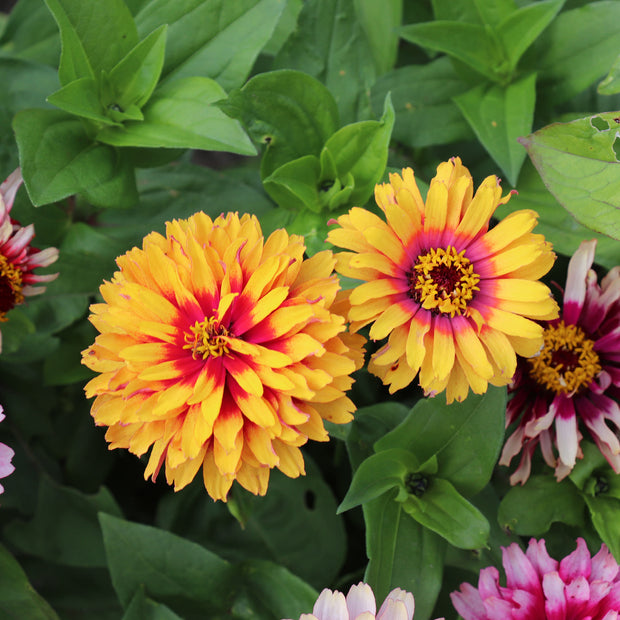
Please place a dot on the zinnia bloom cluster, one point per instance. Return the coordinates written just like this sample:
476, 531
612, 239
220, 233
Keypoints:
6, 455
575, 377
455, 299
17, 257
221, 351
360, 604
579, 587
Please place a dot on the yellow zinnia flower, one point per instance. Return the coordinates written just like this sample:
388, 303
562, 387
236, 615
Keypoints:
222, 351
454, 297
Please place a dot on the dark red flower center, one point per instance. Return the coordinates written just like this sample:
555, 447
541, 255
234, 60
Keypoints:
10, 287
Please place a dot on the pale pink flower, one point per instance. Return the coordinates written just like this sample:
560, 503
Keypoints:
6, 454
541, 588
573, 384
17, 257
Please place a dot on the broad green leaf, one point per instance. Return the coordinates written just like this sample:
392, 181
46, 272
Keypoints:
593, 459
469, 43
286, 25
446, 512
144, 608
577, 49
59, 159
378, 474
18, 599
466, 437
361, 150
380, 23
95, 36
490, 12
425, 114
499, 115
81, 98
611, 84
212, 38
518, 30
529, 510
605, 515
579, 165
291, 112
64, 529
294, 185
173, 571
402, 554
556, 223
179, 115
134, 78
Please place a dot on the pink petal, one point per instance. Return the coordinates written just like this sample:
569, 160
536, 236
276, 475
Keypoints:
9, 187
539, 557
360, 599
604, 566
468, 603
566, 429
519, 570
577, 564
555, 605
331, 606
575, 292
406, 598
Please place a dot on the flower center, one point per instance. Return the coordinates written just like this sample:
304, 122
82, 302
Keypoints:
206, 338
567, 362
10, 287
443, 281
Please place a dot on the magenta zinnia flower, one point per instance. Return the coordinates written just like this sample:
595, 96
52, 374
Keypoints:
6, 454
359, 604
575, 377
540, 588
17, 257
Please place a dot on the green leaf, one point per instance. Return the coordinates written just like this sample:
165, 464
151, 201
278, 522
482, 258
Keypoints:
291, 112
377, 474
81, 98
212, 38
59, 159
466, 437
446, 512
469, 43
144, 608
64, 529
522, 27
578, 163
593, 459
577, 49
294, 185
134, 78
555, 223
174, 571
402, 554
499, 115
490, 12
529, 510
95, 36
18, 599
605, 515
425, 114
361, 150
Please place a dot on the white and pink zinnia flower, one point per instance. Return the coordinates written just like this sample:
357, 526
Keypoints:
359, 604
538, 587
6, 454
17, 257
574, 379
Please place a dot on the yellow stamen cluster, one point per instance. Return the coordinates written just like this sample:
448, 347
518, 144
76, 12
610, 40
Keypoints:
207, 338
13, 279
567, 362
444, 281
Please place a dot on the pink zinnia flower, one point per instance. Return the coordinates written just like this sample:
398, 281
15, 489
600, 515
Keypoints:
6, 454
17, 257
359, 604
541, 588
575, 377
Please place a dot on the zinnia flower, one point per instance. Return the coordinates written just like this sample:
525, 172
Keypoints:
6, 454
537, 586
222, 351
454, 297
17, 257
359, 604
576, 376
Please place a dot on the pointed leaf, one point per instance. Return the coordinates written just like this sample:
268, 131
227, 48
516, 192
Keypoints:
81, 98
605, 515
499, 115
490, 12
294, 185
144, 608
611, 84
579, 165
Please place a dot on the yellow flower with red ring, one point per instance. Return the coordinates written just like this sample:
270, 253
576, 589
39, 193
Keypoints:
222, 351
456, 300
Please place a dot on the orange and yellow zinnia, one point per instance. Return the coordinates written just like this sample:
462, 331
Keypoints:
222, 351
456, 299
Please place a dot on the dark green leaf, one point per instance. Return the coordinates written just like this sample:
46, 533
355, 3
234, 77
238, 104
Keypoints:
294, 185
592, 460
578, 163
466, 437
611, 84
81, 98
18, 599
59, 159
499, 116
144, 608
446, 512
529, 510
605, 515
212, 38
179, 115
